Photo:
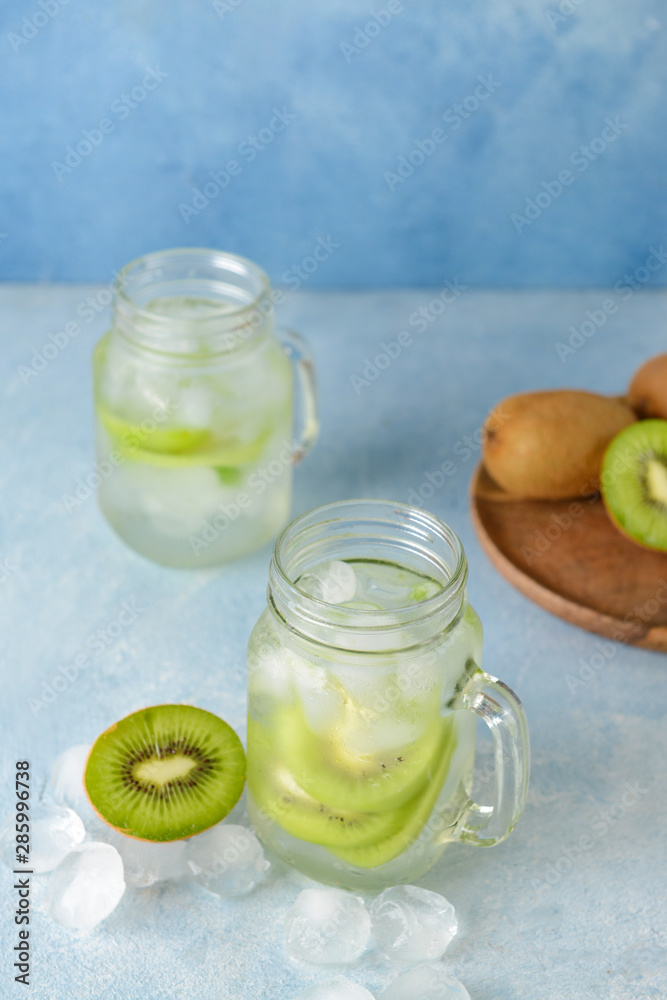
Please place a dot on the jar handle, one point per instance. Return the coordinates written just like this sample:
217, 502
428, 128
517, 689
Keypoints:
307, 425
504, 714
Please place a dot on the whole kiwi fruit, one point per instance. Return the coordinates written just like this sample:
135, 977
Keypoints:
647, 394
549, 445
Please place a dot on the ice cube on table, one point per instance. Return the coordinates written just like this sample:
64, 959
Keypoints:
333, 582
327, 927
86, 886
338, 988
426, 982
146, 863
54, 832
66, 781
226, 860
412, 925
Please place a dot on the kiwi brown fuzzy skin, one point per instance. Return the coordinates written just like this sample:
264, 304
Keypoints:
233, 757
647, 393
548, 445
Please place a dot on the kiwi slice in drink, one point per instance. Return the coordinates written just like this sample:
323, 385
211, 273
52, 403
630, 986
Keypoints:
165, 772
414, 816
380, 781
179, 447
278, 794
634, 482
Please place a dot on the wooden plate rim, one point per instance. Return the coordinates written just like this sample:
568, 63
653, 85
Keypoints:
652, 637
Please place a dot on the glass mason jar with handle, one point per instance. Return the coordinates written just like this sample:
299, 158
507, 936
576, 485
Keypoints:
364, 689
194, 399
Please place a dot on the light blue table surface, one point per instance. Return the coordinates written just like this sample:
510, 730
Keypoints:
538, 916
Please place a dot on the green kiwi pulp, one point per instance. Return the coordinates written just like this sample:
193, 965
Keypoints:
414, 815
367, 836
634, 482
280, 798
326, 770
165, 772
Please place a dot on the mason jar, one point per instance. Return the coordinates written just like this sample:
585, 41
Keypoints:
365, 685
195, 400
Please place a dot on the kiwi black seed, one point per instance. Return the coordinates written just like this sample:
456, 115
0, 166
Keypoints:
634, 482
166, 772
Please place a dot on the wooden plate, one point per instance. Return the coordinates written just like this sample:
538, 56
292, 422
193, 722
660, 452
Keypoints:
569, 558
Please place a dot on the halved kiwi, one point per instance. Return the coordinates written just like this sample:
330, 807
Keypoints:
634, 482
165, 772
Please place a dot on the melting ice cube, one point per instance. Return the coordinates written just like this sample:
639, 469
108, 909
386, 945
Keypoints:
333, 582
426, 982
338, 988
327, 927
66, 781
54, 832
226, 859
411, 924
86, 886
146, 863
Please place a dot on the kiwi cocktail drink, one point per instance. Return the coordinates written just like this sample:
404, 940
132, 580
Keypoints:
194, 450
194, 394
357, 762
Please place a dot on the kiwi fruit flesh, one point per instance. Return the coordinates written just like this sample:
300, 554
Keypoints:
361, 837
549, 445
415, 815
280, 797
324, 768
165, 773
177, 447
634, 483
647, 393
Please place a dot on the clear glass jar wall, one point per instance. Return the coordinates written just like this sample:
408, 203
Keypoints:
361, 724
194, 398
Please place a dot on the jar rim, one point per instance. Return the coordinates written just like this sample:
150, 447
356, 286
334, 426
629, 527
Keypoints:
423, 533
221, 325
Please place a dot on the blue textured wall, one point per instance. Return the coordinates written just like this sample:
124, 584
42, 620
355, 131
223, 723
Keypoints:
355, 96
